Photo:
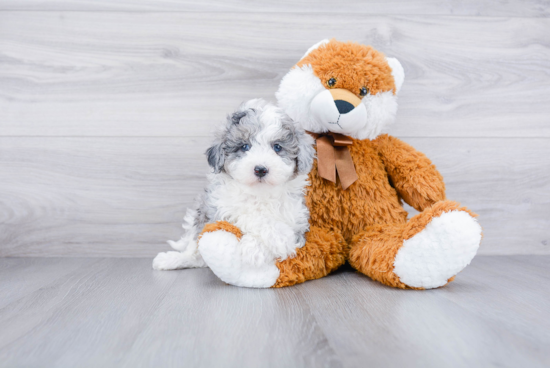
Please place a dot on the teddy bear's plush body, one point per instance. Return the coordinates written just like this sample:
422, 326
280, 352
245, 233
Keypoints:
345, 94
351, 89
367, 225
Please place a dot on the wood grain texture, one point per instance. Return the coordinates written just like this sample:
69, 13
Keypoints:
484, 318
223, 326
95, 306
533, 8
119, 312
20, 278
177, 74
123, 197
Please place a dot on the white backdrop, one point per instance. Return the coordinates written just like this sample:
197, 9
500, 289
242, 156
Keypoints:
106, 108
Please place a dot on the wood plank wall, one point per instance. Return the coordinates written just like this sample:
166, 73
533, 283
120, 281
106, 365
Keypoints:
107, 107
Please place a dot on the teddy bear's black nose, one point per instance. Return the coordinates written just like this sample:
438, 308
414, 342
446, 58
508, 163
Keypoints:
343, 106
260, 171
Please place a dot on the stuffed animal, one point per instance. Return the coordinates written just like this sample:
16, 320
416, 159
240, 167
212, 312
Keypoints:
345, 94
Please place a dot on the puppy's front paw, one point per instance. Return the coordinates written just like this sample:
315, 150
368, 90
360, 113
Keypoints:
252, 251
282, 241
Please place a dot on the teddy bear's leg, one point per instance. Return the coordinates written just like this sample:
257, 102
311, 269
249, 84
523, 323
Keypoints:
221, 246
424, 253
323, 253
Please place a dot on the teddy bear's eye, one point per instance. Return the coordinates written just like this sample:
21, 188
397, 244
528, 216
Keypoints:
363, 91
331, 82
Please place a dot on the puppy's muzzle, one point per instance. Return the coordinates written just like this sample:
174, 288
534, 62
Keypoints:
260, 171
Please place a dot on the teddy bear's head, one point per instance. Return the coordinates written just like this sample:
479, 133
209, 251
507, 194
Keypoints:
342, 87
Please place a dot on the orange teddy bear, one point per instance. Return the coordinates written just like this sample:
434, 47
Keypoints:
344, 94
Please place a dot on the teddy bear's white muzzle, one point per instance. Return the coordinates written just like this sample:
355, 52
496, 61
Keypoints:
338, 116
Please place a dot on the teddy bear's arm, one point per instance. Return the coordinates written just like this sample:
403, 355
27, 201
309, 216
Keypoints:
323, 253
412, 174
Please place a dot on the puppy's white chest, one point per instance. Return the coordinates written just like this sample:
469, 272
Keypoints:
265, 212
249, 211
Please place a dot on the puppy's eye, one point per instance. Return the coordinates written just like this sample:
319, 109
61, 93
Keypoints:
331, 82
245, 147
277, 148
363, 91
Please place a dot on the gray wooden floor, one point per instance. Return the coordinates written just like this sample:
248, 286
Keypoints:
107, 312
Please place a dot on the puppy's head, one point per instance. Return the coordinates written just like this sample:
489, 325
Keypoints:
260, 145
342, 87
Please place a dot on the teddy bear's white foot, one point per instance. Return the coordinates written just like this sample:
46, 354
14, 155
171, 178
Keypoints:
441, 250
177, 260
222, 253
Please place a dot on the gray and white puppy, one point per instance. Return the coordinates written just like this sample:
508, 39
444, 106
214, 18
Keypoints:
260, 161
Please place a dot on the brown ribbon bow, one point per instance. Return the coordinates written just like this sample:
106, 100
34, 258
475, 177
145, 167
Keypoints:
333, 155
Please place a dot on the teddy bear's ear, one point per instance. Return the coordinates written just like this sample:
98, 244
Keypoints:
397, 72
316, 46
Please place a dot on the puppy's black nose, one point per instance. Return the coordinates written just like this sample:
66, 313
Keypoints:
260, 171
343, 106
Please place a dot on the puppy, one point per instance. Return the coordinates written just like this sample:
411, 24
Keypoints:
260, 161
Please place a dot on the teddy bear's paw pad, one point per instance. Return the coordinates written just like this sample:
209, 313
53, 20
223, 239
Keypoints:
176, 260
441, 250
219, 250
222, 252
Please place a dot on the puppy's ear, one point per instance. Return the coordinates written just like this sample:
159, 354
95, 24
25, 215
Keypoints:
236, 117
306, 152
216, 157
